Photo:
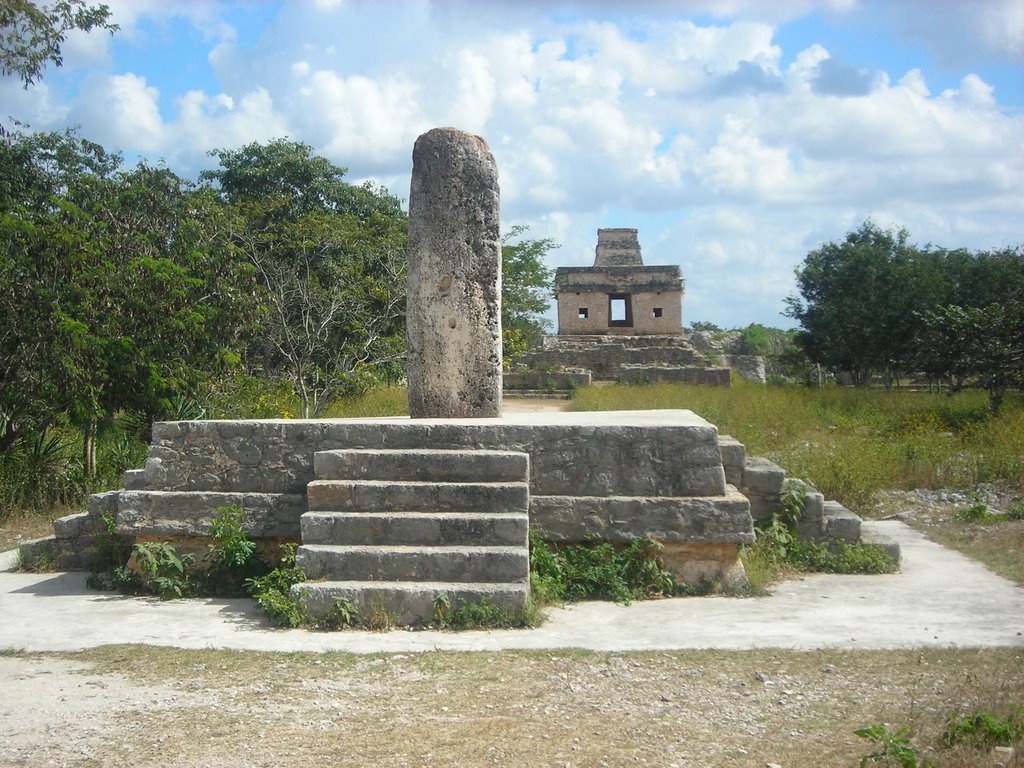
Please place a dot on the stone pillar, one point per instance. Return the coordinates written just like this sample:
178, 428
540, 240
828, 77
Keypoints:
453, 309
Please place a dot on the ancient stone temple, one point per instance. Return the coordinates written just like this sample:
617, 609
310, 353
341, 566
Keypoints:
618, 320
619, 295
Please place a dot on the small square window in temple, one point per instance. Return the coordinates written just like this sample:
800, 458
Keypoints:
584, 314
657, 312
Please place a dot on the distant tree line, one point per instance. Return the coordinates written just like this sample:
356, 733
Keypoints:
876, 305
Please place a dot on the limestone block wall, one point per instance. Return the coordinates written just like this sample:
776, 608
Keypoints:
715, 377
534, 379
659, 312
607, 359
645, 453
583, 295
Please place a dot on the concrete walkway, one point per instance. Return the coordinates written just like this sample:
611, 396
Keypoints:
940, 599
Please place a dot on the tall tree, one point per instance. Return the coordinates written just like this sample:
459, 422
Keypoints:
113, 294
32, 35
856, 302
330, 259
526, 284
984, 345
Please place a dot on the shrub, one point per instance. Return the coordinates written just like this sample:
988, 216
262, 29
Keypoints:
162, 572
481, 615
984, 729
598, 570
232, 555
891, 747
839, 558
976, 513
272, 591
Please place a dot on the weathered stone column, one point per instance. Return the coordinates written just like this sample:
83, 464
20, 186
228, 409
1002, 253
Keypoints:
453, 309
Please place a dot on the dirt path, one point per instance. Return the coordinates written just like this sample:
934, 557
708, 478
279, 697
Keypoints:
132, 705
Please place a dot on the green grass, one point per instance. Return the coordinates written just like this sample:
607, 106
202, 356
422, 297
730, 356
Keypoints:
381, 401
851, 443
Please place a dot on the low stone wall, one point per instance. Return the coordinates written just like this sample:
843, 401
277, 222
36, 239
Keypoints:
607, 359
713, 377
623, 519
763, 483
642, 453
539, 380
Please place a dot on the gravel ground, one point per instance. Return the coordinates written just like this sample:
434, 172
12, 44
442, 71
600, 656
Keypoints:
127, 706
931, 507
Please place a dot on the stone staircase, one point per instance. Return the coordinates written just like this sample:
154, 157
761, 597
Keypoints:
391, 530
763, 482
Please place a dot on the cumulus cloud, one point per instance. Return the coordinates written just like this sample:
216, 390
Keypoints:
733, 156
121, 111
835, 78
959, 32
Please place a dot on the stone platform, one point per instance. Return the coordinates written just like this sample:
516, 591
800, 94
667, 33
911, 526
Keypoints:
598, 460
601, 476
395, 511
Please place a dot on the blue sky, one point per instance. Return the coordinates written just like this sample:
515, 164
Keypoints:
736, 136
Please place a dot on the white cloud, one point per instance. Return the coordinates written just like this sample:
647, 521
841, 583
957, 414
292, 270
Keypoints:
358, 117
958, 32
475, 92
733, 156
122, 110
742, 165
208, 122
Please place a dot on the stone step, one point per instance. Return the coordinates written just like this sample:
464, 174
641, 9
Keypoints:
811, 524
840, 523
873, 533
405, 496
415, 528
439, 466
410, 563
407, 603
189, 513
724, 518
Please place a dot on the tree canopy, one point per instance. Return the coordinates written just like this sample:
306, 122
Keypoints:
115, 292
330, 263
875, 304
32, 35
526, 283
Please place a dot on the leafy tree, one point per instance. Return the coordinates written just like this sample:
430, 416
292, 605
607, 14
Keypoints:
330, 259
702, 327
984, 344
526, 283
858, 299
113, 293
876, 304
756, 339
784, 359
31, 35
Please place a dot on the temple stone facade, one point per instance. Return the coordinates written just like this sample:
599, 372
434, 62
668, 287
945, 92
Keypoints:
619, 295
619, 320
